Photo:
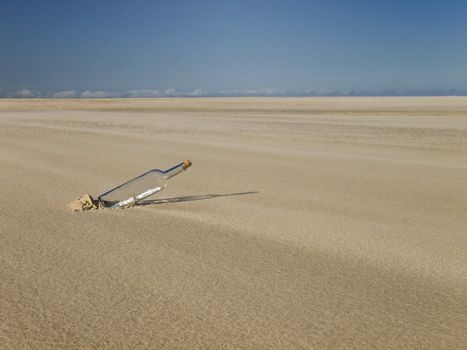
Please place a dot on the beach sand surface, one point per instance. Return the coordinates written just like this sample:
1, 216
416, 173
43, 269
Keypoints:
304, 223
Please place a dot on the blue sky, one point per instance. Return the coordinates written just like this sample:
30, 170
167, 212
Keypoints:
240, 45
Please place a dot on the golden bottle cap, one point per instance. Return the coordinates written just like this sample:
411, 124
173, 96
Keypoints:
186, 164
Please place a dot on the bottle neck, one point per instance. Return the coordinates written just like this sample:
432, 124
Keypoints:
177, 169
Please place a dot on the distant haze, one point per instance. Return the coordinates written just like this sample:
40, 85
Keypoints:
91, 49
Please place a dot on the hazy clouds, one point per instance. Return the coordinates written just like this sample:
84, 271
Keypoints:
172, 92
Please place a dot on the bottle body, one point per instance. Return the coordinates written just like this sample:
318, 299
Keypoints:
140, 187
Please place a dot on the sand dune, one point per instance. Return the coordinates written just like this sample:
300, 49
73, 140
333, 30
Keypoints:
317, 223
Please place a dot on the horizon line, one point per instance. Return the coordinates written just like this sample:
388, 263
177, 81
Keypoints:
201, 93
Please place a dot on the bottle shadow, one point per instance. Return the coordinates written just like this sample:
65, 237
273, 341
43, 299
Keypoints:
199, 197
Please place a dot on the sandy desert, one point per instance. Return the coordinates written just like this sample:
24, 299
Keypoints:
304, 223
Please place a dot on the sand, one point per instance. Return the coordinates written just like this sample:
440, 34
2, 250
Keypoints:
83, 203
304, 223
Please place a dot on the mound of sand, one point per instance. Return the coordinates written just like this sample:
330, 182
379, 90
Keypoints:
84, 202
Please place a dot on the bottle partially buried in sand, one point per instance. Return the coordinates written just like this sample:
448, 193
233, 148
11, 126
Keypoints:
142, 186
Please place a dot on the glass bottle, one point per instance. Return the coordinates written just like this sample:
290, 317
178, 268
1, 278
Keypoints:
140, 187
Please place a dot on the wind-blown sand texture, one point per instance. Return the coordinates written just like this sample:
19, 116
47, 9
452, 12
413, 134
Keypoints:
304, 223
